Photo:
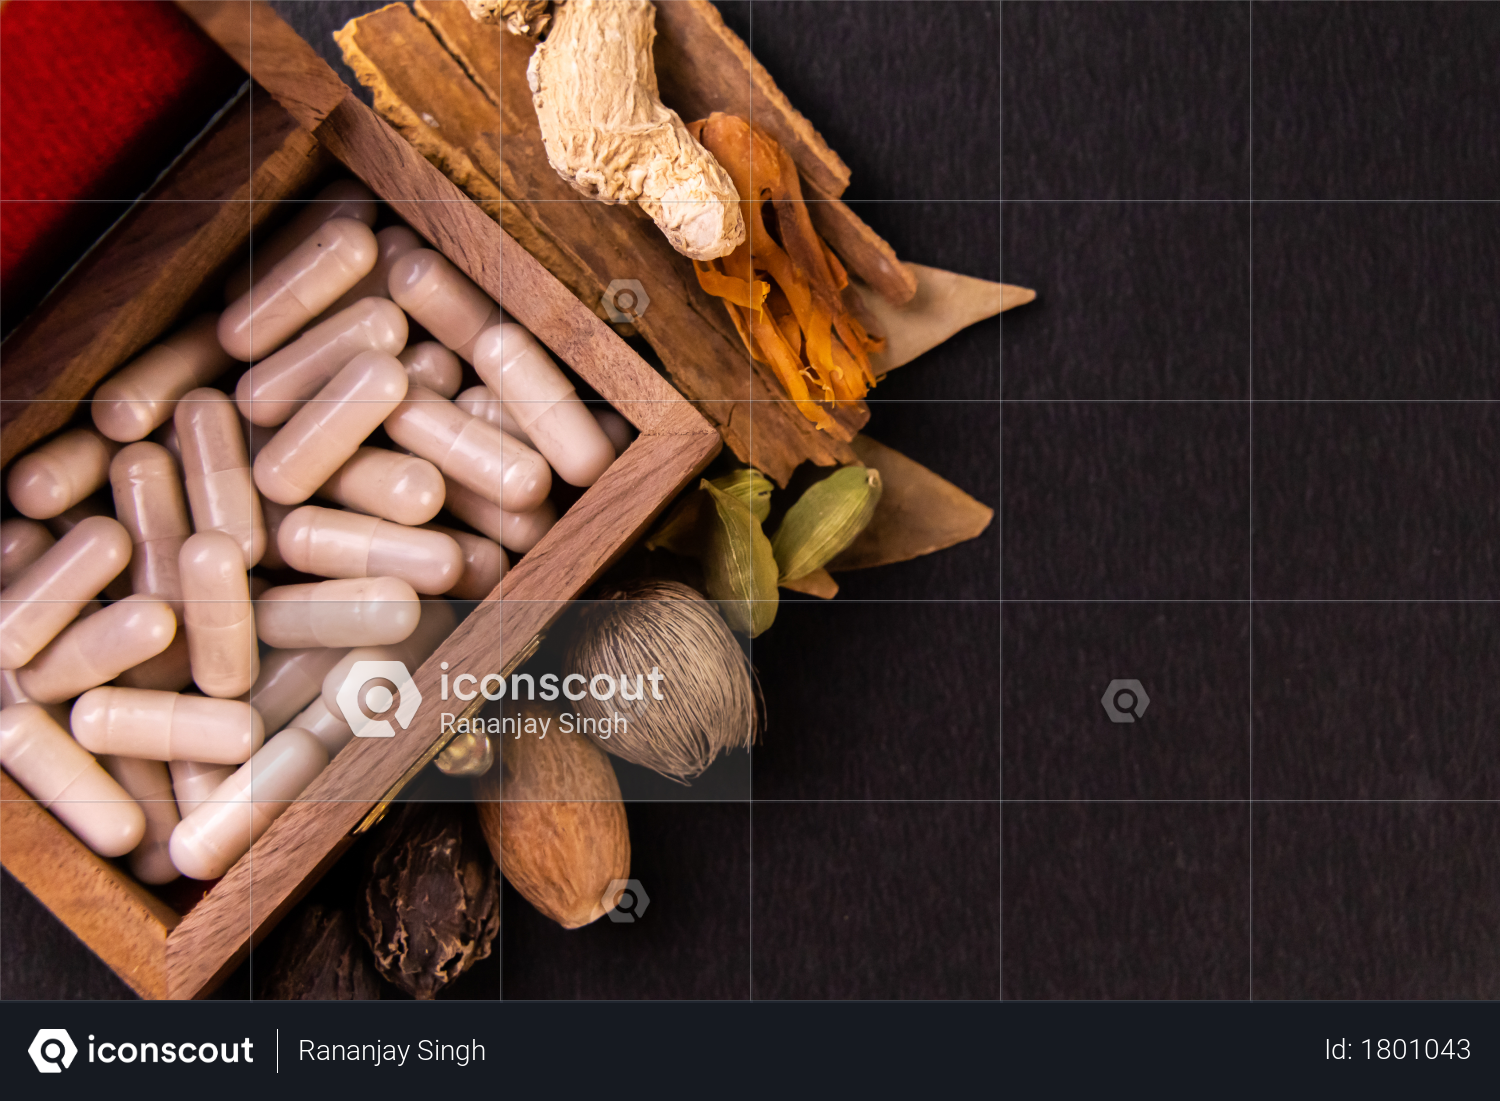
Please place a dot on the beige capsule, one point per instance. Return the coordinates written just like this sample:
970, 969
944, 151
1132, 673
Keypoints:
194, 781
328, 542
393, 242
216, 470
360, 611
518, 370
166, 435
64, 522
11, 694
517, 531
217, 615
276, 387
485, 564
169, 671
324, 725
47, 597
150, 785
63, 778
149, 502
99, 648
141, 396
298, 288
327, 431
274, 515
469, 451
222, 828
477, 401
431, 365
340, 199
400, 488
288, 680
442, 299
436, 623
167, 726
60, 473
22, 542
619, 430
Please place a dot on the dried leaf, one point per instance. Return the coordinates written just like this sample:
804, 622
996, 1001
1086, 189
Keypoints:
918, 512
738, 565
945, 303
819, 583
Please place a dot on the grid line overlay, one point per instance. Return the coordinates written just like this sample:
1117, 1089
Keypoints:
1250, 600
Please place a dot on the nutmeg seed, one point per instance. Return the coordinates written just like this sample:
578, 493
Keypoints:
552, 816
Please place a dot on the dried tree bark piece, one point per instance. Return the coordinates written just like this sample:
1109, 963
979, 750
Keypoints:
918, 512
586, 245
316, 955
422, 90
525, 17
553, 818
429, 897
704, 67
945, 302
606, 131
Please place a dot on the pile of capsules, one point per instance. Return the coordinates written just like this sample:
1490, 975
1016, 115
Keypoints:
185, 781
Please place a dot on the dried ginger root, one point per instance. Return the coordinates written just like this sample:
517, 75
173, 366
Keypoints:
606, 131
785, 289
523, 17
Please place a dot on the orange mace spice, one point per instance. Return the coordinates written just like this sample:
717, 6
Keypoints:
784, 288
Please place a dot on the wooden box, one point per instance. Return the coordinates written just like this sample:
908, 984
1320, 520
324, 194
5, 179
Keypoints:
143, 279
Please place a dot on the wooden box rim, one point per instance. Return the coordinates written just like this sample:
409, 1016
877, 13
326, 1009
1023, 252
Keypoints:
153, 949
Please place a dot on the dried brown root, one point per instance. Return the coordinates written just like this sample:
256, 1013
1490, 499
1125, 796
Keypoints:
606, 131
523, 17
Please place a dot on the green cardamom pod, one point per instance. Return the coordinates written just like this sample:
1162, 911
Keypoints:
682, 532
750, 486
738, 564
825, 520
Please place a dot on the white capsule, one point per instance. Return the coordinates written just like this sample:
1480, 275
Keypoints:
518, 370
289, 680
300, 286
54, 477
222, 828
167, 726
436, 624
45, 599
431, 365
63, 778
324, 725
340, 199
275, 388
517, 531
22, 542
141, 397
361, 611
150, 785
195, 781
99, 648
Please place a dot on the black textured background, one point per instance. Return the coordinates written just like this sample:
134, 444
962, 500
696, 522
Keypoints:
1214, 201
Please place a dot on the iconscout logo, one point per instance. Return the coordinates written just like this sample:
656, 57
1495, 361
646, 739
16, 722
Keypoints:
52, 1049
375, 692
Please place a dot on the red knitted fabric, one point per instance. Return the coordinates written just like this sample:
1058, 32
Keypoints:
96, 98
